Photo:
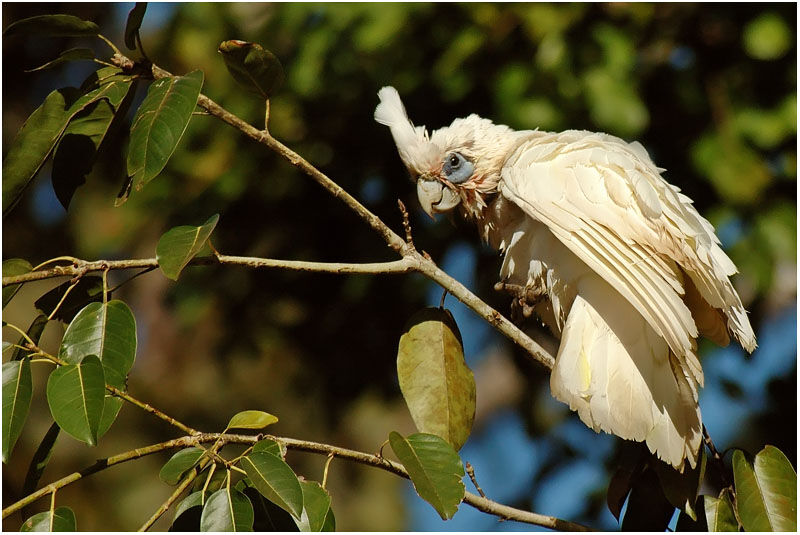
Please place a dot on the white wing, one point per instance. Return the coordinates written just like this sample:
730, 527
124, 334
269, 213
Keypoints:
627, 361
606, 201
612, 367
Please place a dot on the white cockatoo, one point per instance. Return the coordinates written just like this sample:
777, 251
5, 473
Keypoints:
613, 259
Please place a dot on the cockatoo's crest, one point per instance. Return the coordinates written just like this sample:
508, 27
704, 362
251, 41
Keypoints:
412, 142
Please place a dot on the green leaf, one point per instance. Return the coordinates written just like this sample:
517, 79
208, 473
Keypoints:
225, 511
275, 480
437, 385
316, 508
180, 244
251, 420
187, 513
160, 123
75, 393
11, 267
32, 145
42, 130
435, 470
330, 522
107, 330
173, 470
766, 496
34, 332
83, 138
63, 519
268, 516
41, 458
256, 69
111, 407
88, 289
719, 513
778, 482
192, 500
135, 18
267, 445
73, 54
17, 394
216, 481
53, 26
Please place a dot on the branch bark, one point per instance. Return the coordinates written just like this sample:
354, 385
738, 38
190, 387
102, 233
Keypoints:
482, 504
411, 259
80, 268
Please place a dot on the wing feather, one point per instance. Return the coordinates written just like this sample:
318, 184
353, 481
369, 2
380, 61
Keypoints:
607, 202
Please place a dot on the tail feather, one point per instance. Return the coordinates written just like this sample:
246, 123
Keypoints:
624, 380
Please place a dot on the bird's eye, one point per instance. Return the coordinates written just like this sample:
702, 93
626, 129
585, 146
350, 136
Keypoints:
456, 168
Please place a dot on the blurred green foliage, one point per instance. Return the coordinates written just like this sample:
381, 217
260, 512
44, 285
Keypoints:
710, 90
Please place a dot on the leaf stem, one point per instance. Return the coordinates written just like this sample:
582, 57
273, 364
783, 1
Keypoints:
52, 509
24, 335
325, 471
70, 259
110, 44
63, 297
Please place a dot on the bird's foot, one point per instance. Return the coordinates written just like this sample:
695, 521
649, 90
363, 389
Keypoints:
525, 297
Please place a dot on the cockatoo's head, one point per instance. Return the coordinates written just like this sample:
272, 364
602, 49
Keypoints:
456, 165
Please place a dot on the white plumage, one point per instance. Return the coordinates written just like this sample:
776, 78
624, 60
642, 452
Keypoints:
628, 272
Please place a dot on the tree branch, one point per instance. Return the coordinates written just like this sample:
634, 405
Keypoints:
79, 268
37, 351
482, 504
392, 239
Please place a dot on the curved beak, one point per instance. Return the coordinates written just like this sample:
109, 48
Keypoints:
435, 197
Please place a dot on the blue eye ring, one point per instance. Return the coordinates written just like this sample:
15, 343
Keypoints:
457, 169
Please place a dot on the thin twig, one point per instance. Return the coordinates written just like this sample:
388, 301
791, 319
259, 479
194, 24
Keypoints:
716, 457
37, 351
169, 501
471, 473
101, 464
406, 224
152, 410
